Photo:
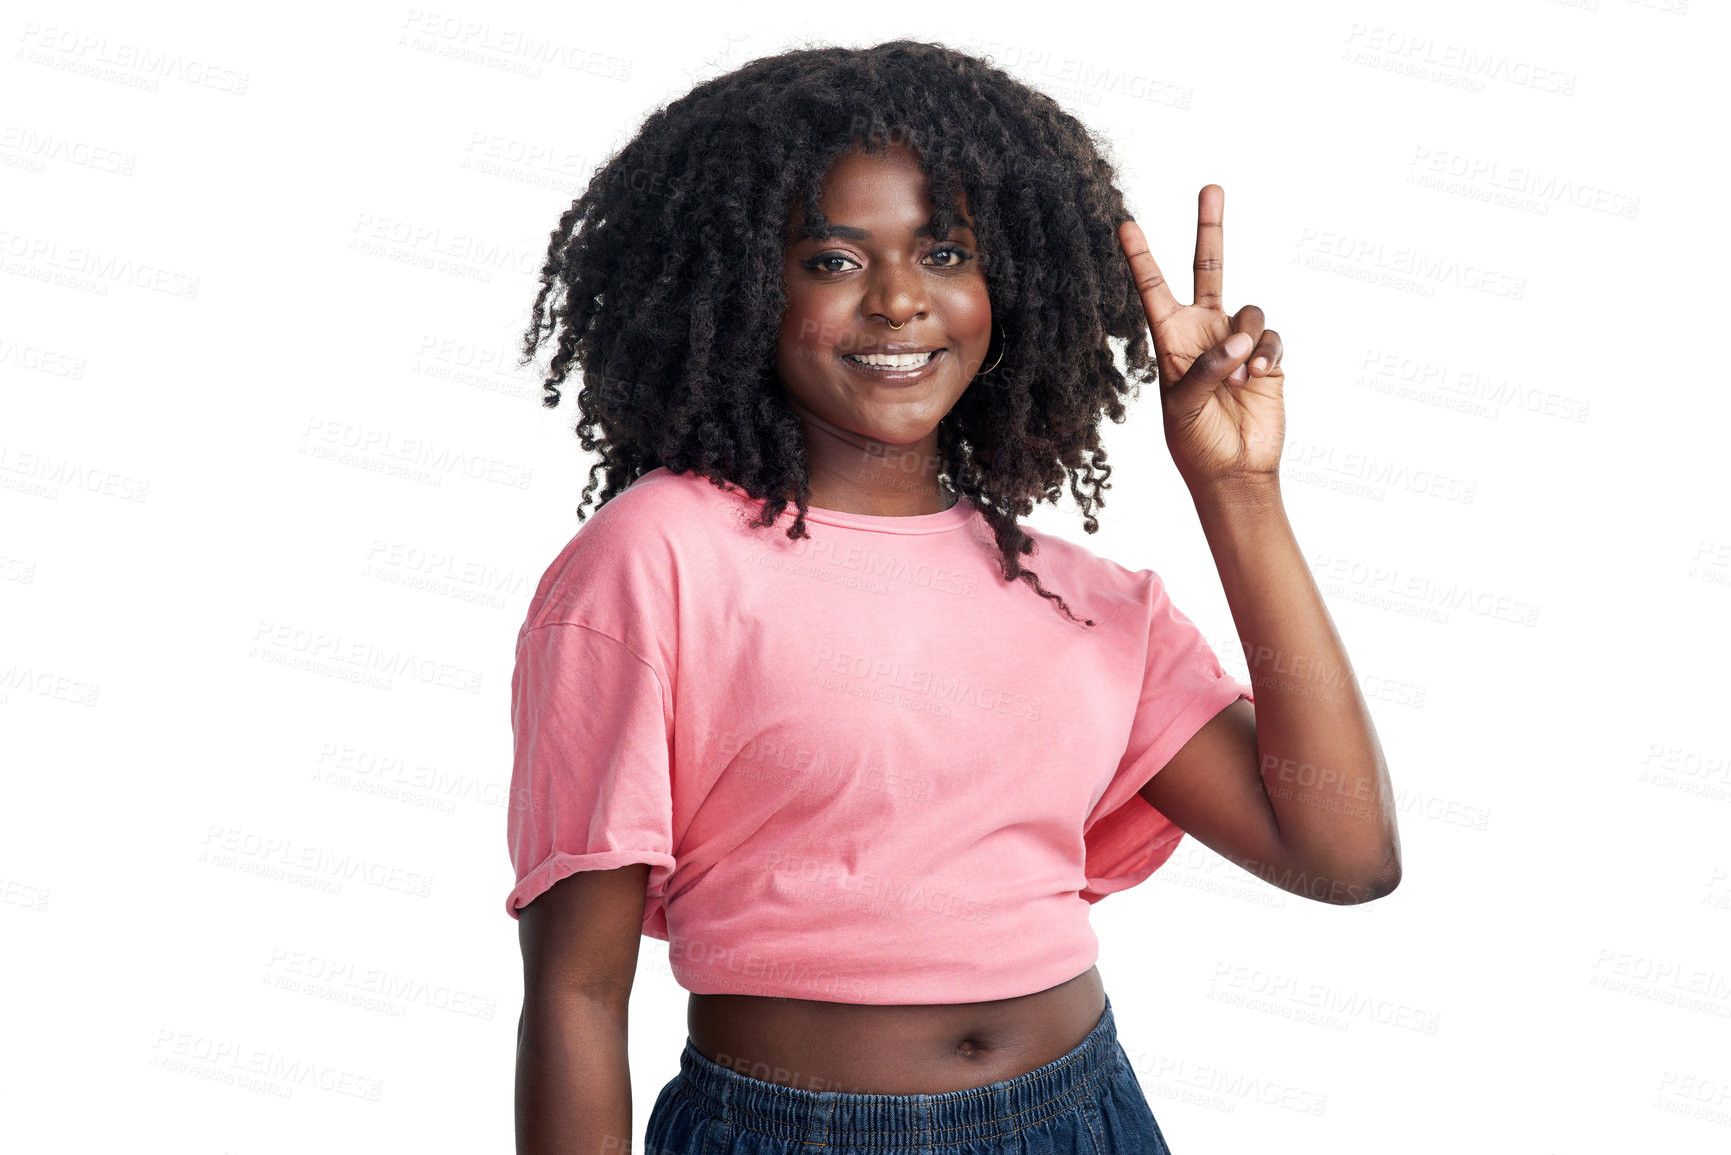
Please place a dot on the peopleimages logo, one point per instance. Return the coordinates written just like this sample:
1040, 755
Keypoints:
1369, 259
384, 446
282, 857
327, 652
923, 683
692, 958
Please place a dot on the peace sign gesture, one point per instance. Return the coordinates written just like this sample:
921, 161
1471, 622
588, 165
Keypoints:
1223, 420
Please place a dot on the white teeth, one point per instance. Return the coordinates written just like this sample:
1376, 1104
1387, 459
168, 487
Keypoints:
892, 360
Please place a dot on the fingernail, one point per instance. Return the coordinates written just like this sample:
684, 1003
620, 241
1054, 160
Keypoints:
1260, 365
1238, 344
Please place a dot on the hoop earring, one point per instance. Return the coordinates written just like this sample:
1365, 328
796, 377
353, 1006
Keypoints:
1005, 340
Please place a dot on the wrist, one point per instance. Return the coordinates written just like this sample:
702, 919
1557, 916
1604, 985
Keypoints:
1255, 491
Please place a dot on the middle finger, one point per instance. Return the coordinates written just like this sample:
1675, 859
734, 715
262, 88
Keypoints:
1208, 269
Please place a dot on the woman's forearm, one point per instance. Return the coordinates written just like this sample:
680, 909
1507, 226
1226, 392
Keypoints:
1322, 765
573, 1092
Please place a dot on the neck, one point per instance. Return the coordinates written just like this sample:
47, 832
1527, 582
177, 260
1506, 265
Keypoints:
851, 473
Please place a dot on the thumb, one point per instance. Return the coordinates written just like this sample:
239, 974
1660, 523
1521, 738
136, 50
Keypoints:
1188, 395
1217, 364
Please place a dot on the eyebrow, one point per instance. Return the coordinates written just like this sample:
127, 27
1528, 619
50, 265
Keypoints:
848, 232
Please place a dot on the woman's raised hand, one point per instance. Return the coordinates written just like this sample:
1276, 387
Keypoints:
1224, 419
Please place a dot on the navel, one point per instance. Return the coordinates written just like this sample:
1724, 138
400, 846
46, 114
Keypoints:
969, 1048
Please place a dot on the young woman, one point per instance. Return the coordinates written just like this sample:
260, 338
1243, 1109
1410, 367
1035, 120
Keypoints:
862, 769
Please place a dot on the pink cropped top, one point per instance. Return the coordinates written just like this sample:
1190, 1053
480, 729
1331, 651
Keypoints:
861, 767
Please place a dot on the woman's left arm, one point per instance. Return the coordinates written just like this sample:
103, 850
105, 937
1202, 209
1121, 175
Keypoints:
1324, 826
1293, 789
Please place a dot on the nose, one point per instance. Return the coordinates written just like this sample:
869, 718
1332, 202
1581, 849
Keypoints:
896, 294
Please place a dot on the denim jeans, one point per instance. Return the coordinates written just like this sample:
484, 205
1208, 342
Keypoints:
1086, 1101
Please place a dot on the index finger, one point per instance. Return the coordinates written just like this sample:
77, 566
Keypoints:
1157, 298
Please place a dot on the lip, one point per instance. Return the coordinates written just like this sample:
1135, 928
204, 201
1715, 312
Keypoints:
896, 376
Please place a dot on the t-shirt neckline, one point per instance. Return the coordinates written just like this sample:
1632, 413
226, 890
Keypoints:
959, 514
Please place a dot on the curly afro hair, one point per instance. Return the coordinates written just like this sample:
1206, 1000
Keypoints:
664, 279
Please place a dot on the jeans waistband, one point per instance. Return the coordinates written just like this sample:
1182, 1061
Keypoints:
872, 1120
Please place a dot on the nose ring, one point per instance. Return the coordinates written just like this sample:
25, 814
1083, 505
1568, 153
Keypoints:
898, 326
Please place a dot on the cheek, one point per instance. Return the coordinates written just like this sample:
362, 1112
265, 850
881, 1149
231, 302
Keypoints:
809, 325
790, 350
968, 312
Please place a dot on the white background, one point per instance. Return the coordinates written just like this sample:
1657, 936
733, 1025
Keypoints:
1490, 235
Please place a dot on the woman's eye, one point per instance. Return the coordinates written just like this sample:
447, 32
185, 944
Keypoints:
962, 256
821, 262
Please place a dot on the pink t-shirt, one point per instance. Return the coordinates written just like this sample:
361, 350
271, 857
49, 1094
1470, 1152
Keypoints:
862, 767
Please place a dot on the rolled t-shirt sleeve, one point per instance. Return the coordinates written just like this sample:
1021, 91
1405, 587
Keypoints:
1183, 688
591, 778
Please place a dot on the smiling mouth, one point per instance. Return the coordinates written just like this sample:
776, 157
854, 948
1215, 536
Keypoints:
892, 362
